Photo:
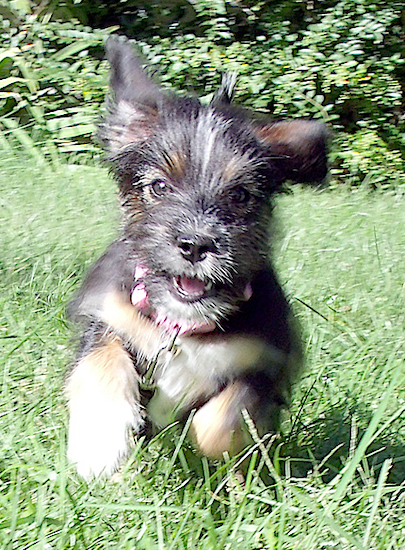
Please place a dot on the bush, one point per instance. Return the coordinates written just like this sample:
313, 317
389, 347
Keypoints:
52, 81
364, 158
341, 62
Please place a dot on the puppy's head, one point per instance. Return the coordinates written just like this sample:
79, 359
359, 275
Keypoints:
195, 183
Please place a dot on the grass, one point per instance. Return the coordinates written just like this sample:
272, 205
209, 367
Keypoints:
337, 472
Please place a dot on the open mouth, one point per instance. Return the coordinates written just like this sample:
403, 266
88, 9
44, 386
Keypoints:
191, 289
185, 289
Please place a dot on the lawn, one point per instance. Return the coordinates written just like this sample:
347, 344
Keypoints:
337, 471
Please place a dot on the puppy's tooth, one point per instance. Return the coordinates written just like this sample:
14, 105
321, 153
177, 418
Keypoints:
140, 272
209, 285
139, 297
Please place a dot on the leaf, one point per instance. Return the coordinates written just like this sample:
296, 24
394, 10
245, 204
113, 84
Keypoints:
74, 131
30, 80
25, 139
4, 82
72, 49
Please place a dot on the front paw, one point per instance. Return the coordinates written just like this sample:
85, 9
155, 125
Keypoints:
103, 394
99, 434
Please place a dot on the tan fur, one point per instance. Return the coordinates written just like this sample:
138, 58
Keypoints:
103, 401
295, 139
283, 132
176, 165
217, 427
109, 366
142, 334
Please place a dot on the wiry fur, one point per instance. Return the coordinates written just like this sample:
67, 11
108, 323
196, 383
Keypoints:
195, 185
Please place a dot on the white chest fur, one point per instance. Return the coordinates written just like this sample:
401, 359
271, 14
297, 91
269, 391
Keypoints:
200, 368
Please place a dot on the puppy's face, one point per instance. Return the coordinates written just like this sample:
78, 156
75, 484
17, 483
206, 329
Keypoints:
195, 184
197, 211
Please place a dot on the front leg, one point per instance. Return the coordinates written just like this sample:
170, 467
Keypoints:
104, 406
218, 427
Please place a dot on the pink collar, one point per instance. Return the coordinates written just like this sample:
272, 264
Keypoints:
180, 327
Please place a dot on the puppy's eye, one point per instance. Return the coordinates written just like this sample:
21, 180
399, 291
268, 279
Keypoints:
240, 195
159, 188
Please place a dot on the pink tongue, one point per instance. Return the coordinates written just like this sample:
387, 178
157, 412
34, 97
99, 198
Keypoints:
191, 285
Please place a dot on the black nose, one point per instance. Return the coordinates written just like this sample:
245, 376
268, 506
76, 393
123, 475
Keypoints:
195, 249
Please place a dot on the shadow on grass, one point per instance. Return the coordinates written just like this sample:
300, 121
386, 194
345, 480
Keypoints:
327, 443
321, 448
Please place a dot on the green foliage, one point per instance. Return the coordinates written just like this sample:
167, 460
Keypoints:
363, 157
341, 62
52, 82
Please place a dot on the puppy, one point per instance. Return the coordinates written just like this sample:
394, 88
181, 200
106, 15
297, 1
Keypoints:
185, 303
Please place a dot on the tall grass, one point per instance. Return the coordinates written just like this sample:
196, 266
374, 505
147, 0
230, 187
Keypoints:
337, 472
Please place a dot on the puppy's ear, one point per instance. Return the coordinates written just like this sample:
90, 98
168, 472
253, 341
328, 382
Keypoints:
298, 149
226, 91
133, 107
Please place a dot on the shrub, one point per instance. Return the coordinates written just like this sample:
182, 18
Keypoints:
363, 158
341, 62
52, 81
